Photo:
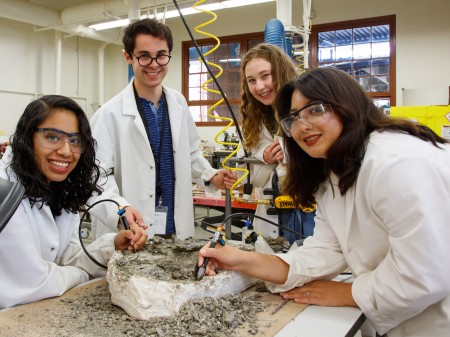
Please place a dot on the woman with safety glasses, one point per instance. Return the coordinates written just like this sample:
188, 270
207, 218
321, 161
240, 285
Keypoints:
383, 193
52, 154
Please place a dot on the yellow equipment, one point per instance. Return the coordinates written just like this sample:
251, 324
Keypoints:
284, 201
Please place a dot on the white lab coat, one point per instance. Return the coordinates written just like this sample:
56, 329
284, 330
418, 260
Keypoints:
41, 256
124, 149
261, 178
392, 229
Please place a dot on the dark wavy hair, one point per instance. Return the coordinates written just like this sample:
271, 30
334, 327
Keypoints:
74, 191
254, 113
359, 116
148, 27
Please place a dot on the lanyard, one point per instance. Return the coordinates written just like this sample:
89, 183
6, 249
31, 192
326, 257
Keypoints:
157, 157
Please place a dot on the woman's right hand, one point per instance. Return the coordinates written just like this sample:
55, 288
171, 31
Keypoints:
265, 267
220, 258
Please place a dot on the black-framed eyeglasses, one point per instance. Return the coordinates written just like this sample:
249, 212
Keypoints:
313, 114
146, 60
51, 138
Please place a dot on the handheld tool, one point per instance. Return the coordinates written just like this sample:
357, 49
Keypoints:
123, 218
200, 271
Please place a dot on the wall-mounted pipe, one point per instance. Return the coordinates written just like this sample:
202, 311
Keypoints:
58, 62
101, 73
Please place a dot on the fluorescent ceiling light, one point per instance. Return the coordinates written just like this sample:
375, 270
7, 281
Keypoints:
185, 11
229, 60
110, 24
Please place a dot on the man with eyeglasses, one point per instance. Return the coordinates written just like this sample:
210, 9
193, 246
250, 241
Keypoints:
148, 143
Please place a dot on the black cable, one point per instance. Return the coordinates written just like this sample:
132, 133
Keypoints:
210, 72
238, 131
79, 231
245, 215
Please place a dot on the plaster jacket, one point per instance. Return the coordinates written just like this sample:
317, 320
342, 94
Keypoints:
125, 154
41, 256
392, 229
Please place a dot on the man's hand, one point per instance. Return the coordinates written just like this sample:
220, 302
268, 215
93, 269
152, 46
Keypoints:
134, 217
223, 179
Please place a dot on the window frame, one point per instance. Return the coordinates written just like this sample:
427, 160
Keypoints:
351, 24
244, 40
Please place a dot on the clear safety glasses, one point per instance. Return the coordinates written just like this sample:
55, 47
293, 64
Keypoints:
54, 139
310, 115
146, 60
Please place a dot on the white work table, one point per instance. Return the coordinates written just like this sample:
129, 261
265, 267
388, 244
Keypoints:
292, 320
318, 321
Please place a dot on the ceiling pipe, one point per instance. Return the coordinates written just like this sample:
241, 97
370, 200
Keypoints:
20, 10
284, 12
93, 11
134, 12
27, 12
100, 10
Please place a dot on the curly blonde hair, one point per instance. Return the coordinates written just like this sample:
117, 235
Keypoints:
254, 113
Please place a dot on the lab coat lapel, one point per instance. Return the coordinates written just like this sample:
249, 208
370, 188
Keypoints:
350, 215
343, 213
176, 118
130, 109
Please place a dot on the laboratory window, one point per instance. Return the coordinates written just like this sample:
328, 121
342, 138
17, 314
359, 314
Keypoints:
200, 90
364, 48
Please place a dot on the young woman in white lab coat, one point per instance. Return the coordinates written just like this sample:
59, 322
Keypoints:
265, 68
53, 157
383, 192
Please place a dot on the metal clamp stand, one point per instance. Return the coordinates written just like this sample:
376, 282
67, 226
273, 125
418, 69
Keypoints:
228, 193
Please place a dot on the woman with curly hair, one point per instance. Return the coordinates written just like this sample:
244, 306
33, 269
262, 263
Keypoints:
52, 154
265, 69
383, 193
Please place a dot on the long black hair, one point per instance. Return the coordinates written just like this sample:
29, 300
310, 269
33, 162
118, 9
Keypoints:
74, 191
359, 117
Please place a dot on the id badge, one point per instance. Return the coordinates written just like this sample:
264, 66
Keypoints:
161, 219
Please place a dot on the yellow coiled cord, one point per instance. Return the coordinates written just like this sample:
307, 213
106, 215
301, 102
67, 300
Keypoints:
211, 109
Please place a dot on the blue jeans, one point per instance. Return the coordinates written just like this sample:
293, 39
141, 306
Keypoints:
298, 221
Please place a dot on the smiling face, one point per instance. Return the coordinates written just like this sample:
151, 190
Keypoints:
258, 74
148, 79
316, 140
56, 165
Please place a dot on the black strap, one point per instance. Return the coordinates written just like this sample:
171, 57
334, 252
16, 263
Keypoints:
157, 157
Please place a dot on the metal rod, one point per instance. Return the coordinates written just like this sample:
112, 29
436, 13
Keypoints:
228, 213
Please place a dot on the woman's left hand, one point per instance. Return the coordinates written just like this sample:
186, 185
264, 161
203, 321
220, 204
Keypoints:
322, 292
273, 153
132, 239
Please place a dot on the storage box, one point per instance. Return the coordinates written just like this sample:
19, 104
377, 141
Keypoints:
436, 117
